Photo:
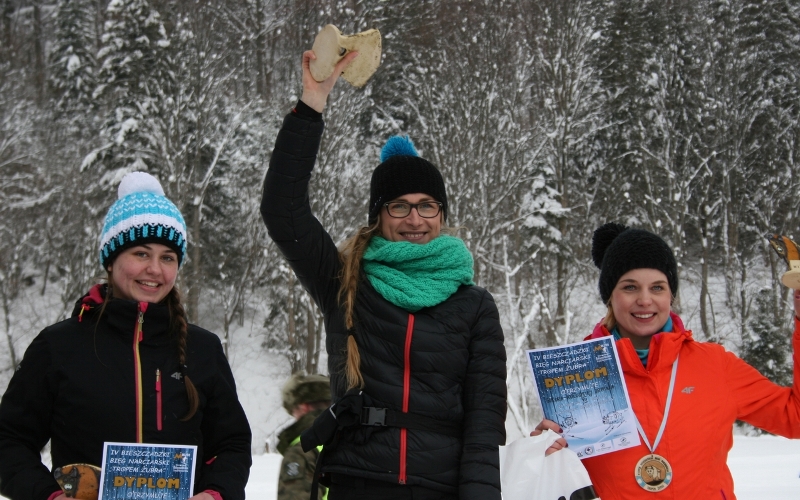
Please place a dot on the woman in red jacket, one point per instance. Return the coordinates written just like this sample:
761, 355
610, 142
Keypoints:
686, 394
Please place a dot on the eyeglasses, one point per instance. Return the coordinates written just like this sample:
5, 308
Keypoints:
426, 209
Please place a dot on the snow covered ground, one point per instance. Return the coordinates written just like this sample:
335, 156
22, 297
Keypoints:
763, 467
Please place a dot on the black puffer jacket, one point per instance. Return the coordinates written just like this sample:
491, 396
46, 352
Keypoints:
447, 362
77, 386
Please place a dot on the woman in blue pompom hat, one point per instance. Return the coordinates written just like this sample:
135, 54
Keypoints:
415, 349
127, 367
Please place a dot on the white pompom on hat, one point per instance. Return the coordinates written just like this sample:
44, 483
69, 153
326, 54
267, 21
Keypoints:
141, 214
139, 182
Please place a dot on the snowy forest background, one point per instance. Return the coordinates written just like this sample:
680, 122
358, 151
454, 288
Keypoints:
546, 117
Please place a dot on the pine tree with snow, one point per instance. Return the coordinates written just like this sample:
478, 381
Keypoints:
135, 83
767, 346
767, 342
72, 61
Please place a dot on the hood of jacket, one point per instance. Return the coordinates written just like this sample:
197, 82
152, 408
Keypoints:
121, 315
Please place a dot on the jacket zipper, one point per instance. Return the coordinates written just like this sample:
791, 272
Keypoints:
137, 371
158, 399
84, 307
406, 396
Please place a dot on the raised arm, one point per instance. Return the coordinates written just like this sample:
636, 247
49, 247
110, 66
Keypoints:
285, 206
762, 403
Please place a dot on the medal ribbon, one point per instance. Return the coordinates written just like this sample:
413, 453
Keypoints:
666, 413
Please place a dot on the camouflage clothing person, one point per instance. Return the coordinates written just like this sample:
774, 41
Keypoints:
304, 397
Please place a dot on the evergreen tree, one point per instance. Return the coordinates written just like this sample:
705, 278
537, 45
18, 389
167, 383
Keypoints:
767, 344
135, 83
566, 91
72, 62
625, 47
770, 36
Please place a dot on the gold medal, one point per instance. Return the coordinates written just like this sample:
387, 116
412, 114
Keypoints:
653, 473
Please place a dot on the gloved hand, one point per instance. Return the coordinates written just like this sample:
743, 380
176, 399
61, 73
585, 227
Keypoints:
348, 412
321, 431
348, 408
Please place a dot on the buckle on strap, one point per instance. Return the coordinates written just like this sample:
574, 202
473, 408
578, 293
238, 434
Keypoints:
373, 416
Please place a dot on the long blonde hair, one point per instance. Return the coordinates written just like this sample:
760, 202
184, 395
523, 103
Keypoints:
610, 321
350, 256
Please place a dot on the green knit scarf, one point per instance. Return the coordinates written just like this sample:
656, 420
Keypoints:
413, 276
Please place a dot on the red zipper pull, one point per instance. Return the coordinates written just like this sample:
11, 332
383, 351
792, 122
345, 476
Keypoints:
142, 310
158, 399
84, 307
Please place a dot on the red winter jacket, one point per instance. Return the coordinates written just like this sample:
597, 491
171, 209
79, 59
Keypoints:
712, 390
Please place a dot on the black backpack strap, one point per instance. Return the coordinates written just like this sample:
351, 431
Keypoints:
352, 411
317, 474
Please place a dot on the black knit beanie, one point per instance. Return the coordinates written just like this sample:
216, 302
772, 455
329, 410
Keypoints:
403, 171
617, 249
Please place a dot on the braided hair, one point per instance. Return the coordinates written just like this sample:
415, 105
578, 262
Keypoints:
350, 256
179, 325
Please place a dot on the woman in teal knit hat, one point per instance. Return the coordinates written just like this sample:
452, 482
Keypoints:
126, 367
415, 349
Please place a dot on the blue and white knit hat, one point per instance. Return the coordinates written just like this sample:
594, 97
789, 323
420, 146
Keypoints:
142, 214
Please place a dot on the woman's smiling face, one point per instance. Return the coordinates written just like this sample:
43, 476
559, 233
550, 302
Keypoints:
641, 305
412, 227
144, 273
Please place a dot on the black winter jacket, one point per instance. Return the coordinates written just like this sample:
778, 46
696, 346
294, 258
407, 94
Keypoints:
77, 386
446, 362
